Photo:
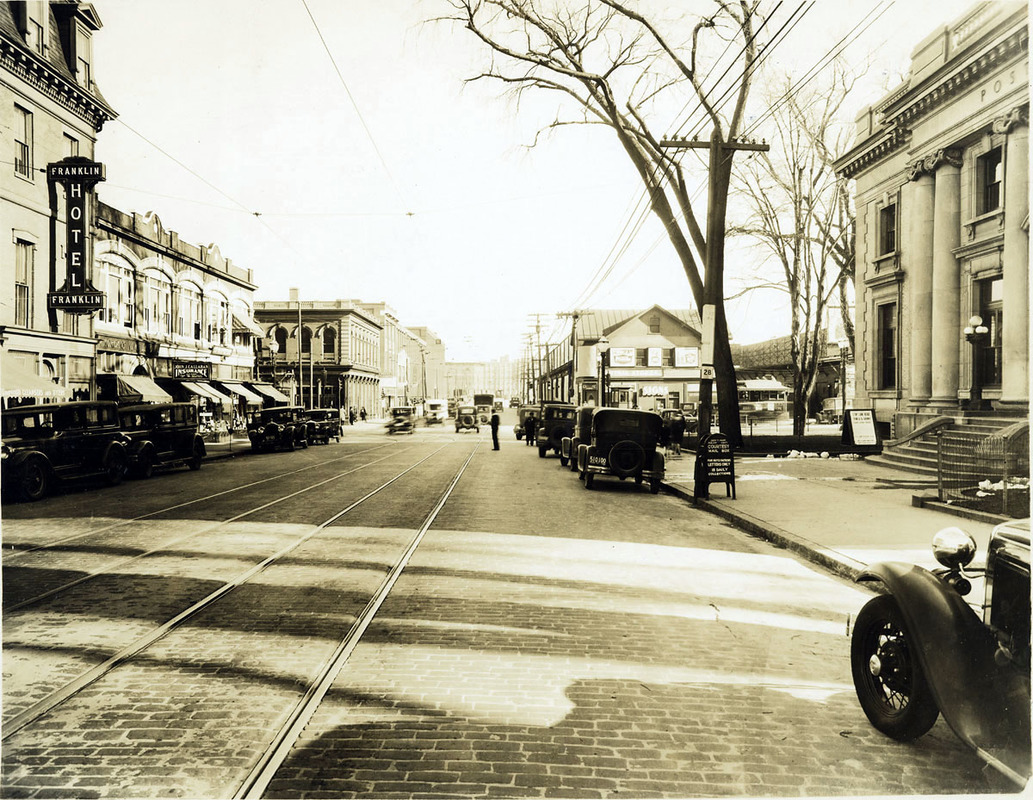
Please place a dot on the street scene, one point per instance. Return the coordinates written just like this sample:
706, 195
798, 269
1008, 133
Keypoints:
514, 399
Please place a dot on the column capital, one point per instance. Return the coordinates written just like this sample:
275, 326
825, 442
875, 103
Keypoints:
1014, 118
927, 165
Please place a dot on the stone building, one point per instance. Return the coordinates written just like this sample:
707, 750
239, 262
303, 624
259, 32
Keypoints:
941, 166
50, 109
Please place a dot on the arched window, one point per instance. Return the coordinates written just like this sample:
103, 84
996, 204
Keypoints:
306, 340
280, 335
329, 341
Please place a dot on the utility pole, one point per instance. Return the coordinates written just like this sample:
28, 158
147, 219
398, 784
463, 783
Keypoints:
574, 315
720, 176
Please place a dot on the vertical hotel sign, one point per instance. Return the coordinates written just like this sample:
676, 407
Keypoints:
78, 176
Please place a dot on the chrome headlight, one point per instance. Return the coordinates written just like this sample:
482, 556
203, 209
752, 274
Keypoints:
954, 548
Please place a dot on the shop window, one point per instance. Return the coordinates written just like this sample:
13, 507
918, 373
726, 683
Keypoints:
888, 229
887, 345
22, 142
990, 174
24, 253
991, 296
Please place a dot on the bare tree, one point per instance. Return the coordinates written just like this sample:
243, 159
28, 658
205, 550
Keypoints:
616, 67
801, 215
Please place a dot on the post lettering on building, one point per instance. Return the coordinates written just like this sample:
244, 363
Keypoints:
78, 176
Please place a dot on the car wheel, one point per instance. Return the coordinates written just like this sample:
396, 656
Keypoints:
563, 460
589, 480
626, 457
145, 465
115, 466
33, 480
541, 452
654, 486
888, 678
198, 456
291, 443
519, 436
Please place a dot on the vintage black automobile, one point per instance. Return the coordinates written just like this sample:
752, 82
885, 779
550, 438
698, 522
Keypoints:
623, 442
521, 424
466, 417
557, 421
324, 424
60, 441
919, 649
279, 427
163, 435
569, 444
403, 420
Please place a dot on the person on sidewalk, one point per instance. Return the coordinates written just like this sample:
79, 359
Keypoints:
351, 415
495, 431
362, 413
677, 433
530, 426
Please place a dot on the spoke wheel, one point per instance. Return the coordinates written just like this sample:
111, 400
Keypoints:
145, 466
115, 467
34, 480
888, 678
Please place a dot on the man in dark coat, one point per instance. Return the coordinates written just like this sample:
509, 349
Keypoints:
530, 426
677, 432
495, 431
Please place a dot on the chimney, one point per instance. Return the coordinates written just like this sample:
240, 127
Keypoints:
294, 294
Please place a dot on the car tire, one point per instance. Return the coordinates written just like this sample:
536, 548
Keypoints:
654, 486
589, 480
144, 465
888, 678
626, 458
33, 480
115, 466
541, 452
291, 443
519, 435
197, 456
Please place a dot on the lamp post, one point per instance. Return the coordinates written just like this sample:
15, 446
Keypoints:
603, 346
274, 348
976, 333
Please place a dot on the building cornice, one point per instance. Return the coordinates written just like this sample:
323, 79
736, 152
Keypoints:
871, 152
30, 70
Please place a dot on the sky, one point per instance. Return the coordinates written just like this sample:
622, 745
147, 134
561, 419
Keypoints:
376, 172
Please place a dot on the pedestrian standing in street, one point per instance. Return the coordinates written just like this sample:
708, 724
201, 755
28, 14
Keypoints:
495, 431
362, 413
351, 415
530, 426
677, 432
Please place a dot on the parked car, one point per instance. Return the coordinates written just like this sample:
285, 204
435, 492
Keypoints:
60, 441
919, 649
403, 420
557, 421
623, 442
580, 433
466, 417
522, 413
163, 435
279, 427
324, 424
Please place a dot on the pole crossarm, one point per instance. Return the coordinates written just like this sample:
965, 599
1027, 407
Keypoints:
698, 143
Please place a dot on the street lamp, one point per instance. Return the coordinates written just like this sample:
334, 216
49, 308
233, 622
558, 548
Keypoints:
976, 333
603, 346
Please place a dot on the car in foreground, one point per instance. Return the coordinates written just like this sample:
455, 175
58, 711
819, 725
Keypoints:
324, 424
278, 428
162, 435
623, 442
557, 421
919, 649
46, 444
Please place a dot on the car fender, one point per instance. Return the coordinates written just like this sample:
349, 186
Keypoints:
199, 442
19, 457
658, 463
986, 704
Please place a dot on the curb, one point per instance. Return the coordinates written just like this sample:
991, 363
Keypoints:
836, 563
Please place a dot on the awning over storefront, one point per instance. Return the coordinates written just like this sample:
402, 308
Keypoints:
140, 389
242, 323
207, 391
20, 381
242, 391
271, 392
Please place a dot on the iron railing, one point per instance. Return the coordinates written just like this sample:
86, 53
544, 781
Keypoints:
988, 473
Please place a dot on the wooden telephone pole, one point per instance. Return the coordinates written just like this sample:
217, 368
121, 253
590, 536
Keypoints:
720, 176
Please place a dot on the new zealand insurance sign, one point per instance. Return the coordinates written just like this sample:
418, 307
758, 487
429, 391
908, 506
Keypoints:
78, 176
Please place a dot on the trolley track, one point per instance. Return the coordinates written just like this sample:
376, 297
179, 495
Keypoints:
45, 705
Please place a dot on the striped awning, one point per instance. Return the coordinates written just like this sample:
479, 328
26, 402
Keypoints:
271, 392
141, 389
241, 390
207, 391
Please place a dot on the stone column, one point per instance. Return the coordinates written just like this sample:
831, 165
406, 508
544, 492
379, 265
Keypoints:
1015, 312
920, 283
946, 328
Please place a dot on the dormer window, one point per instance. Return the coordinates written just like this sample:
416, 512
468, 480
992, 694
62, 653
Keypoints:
83, 58
36, 26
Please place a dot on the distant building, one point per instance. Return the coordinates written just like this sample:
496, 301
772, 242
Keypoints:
941, 166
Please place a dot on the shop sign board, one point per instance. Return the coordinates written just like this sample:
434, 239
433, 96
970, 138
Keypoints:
715, 463
686, 356
622, 356
859, 429
654, 357
191, 370
78, 175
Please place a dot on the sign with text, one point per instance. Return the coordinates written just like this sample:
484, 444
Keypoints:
654, 357
859, 428
686, 356
191, 370
622, 356
714, 464
78, 175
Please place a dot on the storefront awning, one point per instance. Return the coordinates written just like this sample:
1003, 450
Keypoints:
242, 391
271, 392
17, 380
242, 323
206, 391
141, 389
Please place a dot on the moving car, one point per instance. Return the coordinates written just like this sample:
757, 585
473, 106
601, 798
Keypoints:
403, 420
163, 435
623, 442
48, 443
324, 424
437, 412
466, 417
569, 444
279, 427
557, 421
522, 413
919, 649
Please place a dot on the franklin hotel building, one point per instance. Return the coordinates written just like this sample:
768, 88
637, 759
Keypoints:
941, 166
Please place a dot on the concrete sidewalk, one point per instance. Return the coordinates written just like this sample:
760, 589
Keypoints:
839, 513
